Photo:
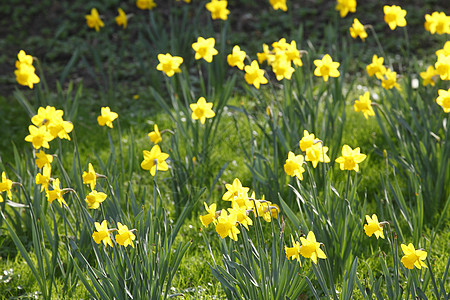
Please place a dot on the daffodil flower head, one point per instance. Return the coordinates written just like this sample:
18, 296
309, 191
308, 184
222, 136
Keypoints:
326, 67
102, 234
236, 58
445, 50
155, 160
56, 193
278, 4
218, 9
25, 75
155, 135
350, 158
43, 159
241, 215
94, 198
226, 225
234, 190
437, 22
145, 4
444, 100
307, 140
266, 55
442, 66
376, 67
293, 54
294, 251
412, 257
38, 137
364, 105
5, 186
44, 178
205, 49
169, 64
317, 153
282, 67
390, 80
211, 216
124, 237
121, 19
373, 227
294, 165
311, 248
90, 177
394, 16
202, 110
254, 75
107, 117
357, 30
93, 20
429, 76
345, 6
24, 58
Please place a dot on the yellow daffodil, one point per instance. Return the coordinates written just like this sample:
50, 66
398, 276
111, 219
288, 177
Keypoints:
282, 67
265, 55
145, 4
373, 227
53, 121
376, 67
364, 105
226, 225
121, 19
25, 75
429, 76
444, 100
390, 80
445, 50
236, 58
307, 140
56, 193
90, 177
350, 158
5, 186
202, 110
107, 117
278, 4
345, 6
39, 137
293, 54
94, 199
44, 178
43, 159
294, 165
205, 49
394, 16
211, 216
24, 58
155, 160
241, 215
254, 75
325, 67
234, 190
294, 251
102, 234
412, 257
169, 64
357, 29
442, 66
437, 22
124, 237
317, 153
310, 248
93, 20
155, 135
218, 9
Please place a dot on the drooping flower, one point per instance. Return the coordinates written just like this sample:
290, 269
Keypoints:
44, 178
364, 105
310, 248
125, 237
444, 100
145, 4
155, 135
102, 234
307, 140
205, 49
373, 227
394, 16
93, 20
202, 110
390, 80
56, 193
155, 160
345, 6
254, 75
90, 177
412, 257
226, 225
121, 19
438, 23
326, 67
5, 186
294, 251
317, 153
376, 67
357, 29
39, 137
278, 4
294, 165
94, 198
429, 76
218, 9
43, 159
169, 64
211, 216
107, 117
236, 58
350, 158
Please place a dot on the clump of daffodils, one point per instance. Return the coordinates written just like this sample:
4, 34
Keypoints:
242, 207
